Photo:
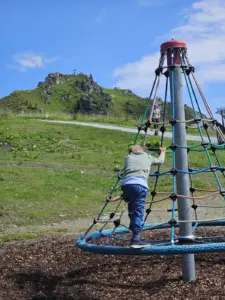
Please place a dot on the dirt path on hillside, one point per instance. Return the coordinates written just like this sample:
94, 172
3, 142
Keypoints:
126, 129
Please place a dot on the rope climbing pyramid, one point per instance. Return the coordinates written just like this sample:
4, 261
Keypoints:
173, 191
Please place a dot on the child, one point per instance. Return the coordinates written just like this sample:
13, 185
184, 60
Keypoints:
155, 118
135, 187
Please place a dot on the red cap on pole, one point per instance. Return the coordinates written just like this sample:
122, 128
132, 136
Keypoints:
175, 45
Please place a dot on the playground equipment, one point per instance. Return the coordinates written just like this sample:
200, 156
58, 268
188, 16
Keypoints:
184, 197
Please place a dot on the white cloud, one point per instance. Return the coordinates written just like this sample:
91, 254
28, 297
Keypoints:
204, 32
101, 15
138, 75
30, 60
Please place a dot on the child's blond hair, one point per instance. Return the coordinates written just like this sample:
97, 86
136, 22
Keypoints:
137, 148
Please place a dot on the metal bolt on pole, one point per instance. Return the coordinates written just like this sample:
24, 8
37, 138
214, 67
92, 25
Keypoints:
181, 157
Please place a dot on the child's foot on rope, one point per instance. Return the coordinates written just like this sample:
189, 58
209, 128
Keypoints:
138, 244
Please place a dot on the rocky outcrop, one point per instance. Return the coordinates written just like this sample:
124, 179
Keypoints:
87, 95
127, 92
94, 103
93, 100
65, 97
51, 79
87, 104
87, 85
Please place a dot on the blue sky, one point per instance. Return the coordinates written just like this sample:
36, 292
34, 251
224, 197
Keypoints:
116, 40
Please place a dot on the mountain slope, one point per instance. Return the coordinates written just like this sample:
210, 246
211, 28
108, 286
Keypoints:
78, 94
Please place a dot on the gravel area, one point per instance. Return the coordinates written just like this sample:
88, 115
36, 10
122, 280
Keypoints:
54, 269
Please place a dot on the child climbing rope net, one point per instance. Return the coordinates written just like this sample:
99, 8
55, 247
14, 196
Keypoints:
183, 201
135, 188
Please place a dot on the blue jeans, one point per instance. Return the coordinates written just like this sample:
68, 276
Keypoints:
135, 195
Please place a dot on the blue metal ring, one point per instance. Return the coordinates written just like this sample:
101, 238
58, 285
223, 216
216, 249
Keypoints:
83, 244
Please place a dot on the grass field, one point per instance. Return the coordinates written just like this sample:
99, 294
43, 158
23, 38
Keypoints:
55, 173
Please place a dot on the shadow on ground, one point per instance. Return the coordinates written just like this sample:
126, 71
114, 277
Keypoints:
53, 269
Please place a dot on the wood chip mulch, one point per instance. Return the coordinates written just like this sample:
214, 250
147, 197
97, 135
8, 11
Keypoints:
54, 269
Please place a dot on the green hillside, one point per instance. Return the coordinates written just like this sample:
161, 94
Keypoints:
74, 94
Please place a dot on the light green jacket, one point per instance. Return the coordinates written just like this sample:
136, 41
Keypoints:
139, 164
